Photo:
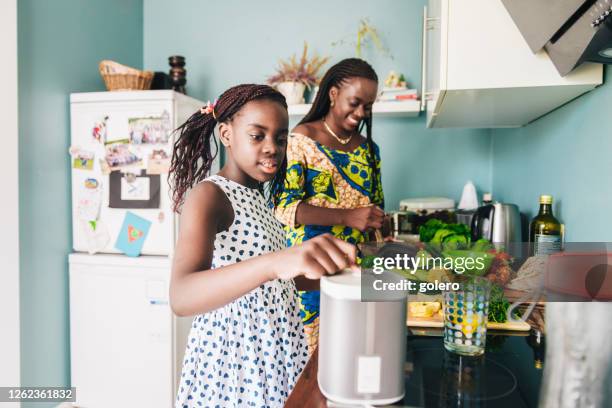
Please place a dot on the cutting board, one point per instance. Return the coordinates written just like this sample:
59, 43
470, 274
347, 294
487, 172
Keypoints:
438, 322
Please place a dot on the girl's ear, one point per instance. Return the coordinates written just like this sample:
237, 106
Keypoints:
225, 131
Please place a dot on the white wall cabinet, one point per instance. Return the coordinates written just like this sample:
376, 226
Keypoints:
480, 73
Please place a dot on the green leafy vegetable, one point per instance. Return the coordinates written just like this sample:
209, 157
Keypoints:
482, 245
367, 261
442, 235
498, 305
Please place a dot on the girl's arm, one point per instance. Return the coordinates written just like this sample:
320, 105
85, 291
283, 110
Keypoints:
195, 288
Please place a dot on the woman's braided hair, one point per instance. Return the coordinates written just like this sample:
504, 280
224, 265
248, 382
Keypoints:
192, 156
336, 76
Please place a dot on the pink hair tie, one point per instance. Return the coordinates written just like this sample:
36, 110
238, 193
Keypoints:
209, 108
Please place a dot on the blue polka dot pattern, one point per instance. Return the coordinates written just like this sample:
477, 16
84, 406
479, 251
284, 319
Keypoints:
249, 352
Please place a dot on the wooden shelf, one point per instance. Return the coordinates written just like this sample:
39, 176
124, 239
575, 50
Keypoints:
404, 109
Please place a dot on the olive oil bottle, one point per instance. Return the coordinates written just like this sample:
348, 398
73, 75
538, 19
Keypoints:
545, 231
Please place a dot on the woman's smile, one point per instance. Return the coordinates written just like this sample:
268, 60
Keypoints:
352, 121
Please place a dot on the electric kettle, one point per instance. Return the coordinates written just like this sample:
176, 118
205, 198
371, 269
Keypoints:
499, 223
362, 344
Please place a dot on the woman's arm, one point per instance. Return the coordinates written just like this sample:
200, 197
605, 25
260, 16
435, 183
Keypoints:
361, 218
195, 288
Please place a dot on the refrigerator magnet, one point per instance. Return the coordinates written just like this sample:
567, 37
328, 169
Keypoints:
89, 199
119, 155
81, 159
99, 130
158, 162
134, 190
96, 235
133, 234
150, 130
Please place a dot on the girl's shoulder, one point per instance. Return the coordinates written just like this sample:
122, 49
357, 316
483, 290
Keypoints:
208, 202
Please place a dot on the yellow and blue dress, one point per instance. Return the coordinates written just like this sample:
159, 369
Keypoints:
324, 177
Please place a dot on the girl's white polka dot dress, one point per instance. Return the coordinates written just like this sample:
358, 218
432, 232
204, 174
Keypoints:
250, 352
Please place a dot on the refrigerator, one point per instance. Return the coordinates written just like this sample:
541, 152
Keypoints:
126, 345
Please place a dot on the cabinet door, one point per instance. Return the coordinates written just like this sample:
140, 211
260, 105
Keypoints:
121, 337
123, 120
436, 31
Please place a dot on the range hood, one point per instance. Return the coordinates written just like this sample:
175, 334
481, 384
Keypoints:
571, 31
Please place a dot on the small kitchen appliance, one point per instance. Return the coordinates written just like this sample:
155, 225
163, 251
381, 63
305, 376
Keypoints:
499, 223
362, 344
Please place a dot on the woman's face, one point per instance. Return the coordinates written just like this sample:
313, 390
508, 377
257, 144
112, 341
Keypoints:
256, 138
352, 102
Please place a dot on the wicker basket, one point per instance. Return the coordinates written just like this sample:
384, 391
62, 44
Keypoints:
118, 77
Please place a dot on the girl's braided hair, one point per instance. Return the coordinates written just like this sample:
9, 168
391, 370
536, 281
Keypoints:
336, 76
192, 156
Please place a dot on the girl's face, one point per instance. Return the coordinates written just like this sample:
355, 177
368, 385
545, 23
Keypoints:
352, 102
256, 138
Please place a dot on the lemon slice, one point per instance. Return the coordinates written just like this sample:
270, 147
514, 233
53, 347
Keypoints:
423, 309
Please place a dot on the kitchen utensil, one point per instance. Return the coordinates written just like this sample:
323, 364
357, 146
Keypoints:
437, 322
466, 316
361, 344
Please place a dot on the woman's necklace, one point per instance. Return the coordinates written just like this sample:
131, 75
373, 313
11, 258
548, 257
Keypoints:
339, 139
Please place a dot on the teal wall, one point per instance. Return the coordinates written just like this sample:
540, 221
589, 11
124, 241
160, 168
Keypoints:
60, 43
231, 42
567, 153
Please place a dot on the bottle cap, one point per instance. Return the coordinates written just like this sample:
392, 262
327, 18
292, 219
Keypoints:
487, 197
546, 199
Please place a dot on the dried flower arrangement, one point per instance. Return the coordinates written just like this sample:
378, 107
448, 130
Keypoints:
304, 71
366, 32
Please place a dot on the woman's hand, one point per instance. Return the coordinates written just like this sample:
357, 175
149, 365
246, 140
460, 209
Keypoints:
315, 258
364, 218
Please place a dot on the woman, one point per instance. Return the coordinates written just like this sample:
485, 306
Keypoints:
333, 182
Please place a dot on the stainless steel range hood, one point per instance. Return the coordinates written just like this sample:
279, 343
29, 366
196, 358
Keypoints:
571, 31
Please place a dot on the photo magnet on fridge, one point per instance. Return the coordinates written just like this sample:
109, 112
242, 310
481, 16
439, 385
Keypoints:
81, 159
133, 234
158, 162
150, 130
134, 190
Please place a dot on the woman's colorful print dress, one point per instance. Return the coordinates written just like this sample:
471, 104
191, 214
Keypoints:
324, 177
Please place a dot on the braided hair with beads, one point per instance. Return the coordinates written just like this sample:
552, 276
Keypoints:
193, 156
335, 77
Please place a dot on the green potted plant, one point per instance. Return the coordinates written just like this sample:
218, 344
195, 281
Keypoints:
293, 77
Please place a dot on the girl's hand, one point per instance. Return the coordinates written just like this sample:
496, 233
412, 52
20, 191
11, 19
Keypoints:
316, 257
364, 218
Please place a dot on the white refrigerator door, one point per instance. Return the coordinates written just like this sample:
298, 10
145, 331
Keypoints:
109, 113
126, 346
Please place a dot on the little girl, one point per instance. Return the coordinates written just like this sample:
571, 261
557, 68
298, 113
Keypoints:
333, 172
246, 346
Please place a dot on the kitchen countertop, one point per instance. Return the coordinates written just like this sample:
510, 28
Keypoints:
504, 377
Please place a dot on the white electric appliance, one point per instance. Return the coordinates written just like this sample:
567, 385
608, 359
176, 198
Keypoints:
362, 340
126, 345
122, 132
